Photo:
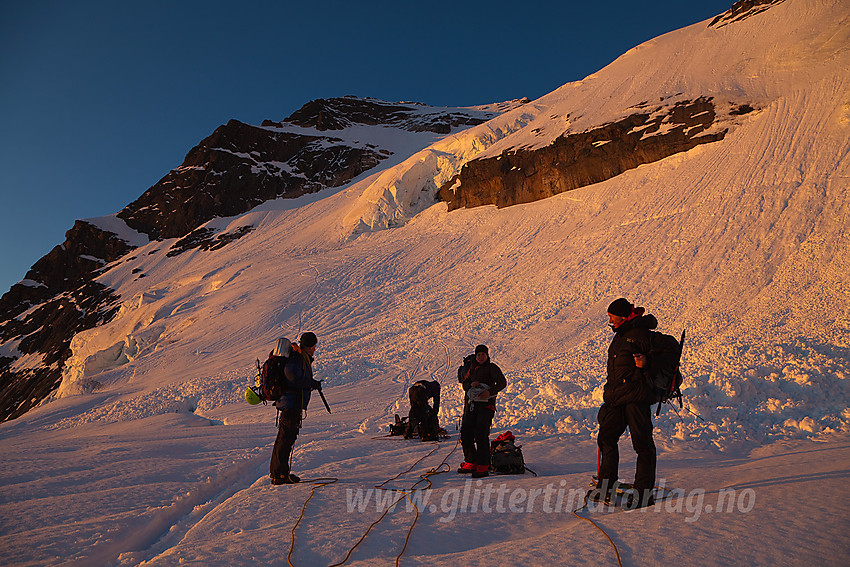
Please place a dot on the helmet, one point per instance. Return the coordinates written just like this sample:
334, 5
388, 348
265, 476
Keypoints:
251, 397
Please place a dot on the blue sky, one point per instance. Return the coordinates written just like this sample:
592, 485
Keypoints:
100, 99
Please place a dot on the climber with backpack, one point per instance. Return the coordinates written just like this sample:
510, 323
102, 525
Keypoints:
628, 394
287, 378
481, 381
422, 419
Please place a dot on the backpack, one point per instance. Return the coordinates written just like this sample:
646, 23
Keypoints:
664, 356
399, 427
463, 371
272, 379
429, 428
506, 457
402, 427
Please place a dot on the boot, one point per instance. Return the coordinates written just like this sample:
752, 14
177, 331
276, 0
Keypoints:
640, 499
599, 495
481, 471
603, 492
286, 479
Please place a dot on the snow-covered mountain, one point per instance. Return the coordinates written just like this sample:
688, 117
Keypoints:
703, 174
326, 144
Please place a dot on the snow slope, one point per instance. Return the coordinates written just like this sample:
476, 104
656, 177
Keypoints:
149, 455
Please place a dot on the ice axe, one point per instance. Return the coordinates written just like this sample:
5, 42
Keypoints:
322, 395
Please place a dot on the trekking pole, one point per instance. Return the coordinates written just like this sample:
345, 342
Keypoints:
696, 414
324, 401
690, 411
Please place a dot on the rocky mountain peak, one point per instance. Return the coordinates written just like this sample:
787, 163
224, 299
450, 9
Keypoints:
344, 112
741, 10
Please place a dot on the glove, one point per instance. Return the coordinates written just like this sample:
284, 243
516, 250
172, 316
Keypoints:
317, 385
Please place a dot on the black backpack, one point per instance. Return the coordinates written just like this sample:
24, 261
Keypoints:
427, 427
402, 427
506, 456
664, 356
463, 370
399, 427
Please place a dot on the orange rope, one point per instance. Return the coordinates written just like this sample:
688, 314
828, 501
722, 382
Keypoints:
616, 551
406, 493
318, 482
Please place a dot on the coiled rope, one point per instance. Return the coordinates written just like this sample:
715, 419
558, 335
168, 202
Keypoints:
319, 482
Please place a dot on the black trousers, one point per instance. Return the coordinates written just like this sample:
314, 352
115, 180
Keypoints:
288, 426
613, 421
475, 433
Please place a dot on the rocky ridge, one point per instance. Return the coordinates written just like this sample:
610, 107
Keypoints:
576, 159
742, 10
39, 315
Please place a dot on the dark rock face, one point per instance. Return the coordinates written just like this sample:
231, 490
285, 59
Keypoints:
44, 317
584, 158
207, 239
49, 330
742, 10
237, 168
85, 252
341, 113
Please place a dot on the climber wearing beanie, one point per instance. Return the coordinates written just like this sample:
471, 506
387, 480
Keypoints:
627, 397
481, 381
296, 395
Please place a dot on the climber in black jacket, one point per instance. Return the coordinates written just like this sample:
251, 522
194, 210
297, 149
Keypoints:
627, 397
